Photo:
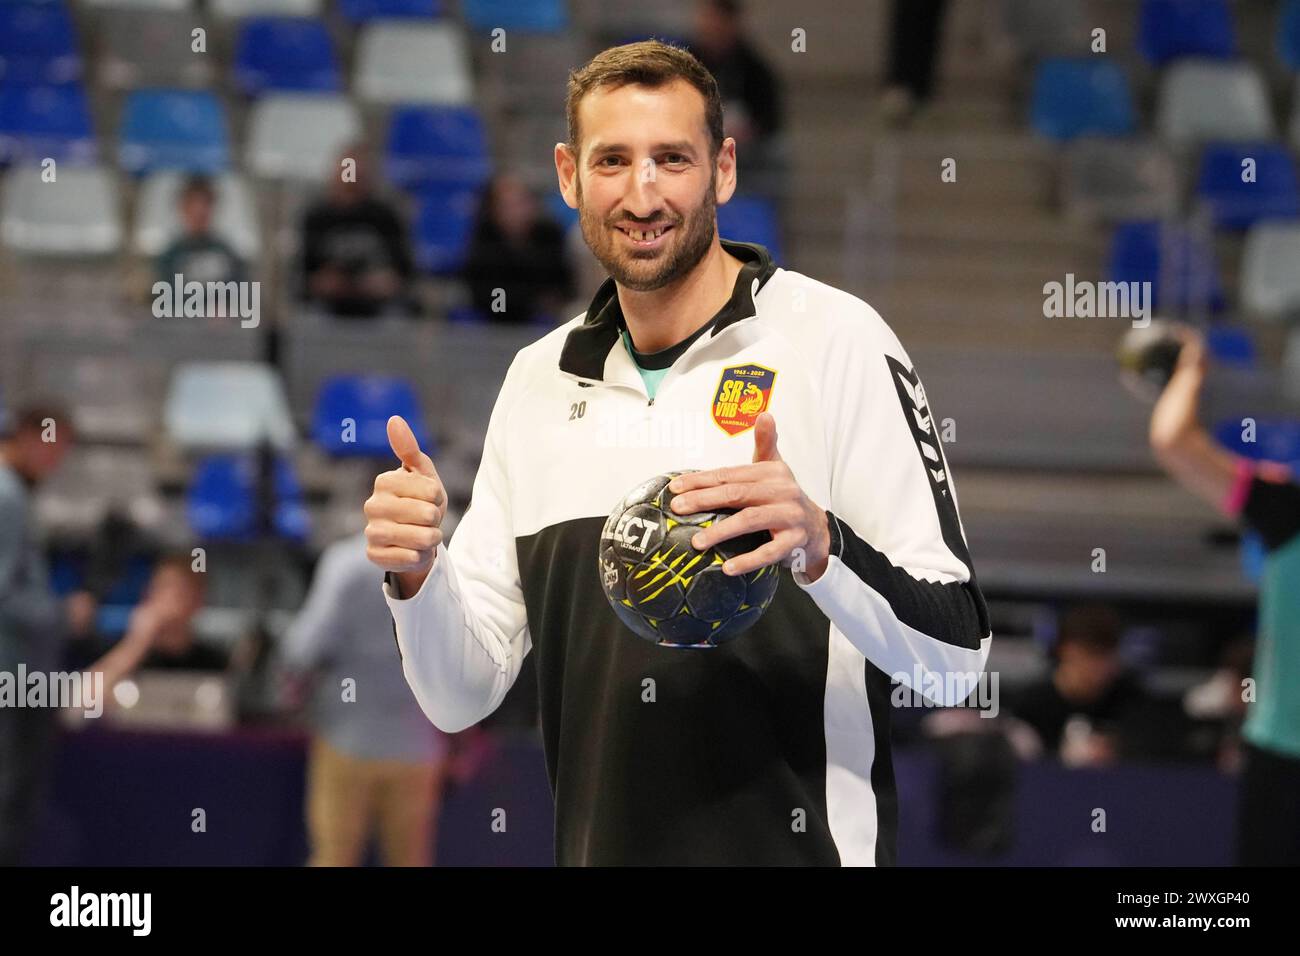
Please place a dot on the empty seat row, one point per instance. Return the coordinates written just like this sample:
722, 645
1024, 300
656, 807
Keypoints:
1180, 265
291, 135
1199, 101
396, 61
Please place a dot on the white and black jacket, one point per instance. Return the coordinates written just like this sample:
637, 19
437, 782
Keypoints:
773, 748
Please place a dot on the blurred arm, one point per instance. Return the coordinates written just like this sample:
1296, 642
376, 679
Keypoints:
1181, 444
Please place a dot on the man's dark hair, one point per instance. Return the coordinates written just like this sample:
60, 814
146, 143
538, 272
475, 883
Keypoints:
651, 63
1094, 627
198, 185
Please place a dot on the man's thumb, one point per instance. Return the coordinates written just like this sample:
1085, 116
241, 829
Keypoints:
765, 438
406, 448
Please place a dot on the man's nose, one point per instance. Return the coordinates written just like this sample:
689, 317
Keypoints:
641, 198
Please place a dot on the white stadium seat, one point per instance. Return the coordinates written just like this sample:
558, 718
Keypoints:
75, 215
298, 135
1203, 100
401, 62
227, 405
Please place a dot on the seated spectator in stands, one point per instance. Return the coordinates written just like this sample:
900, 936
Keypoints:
516, 267
356, 261
1091, 710
198, 254
751, 95
1218, 706
160, 633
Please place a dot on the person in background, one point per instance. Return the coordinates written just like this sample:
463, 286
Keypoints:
160, 632
1084, 710
198, 254
376, 763
1263, 496
33, 446
752, 109
356, 262
915, 27
520, 252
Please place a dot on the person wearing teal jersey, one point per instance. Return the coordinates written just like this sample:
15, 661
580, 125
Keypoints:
1266, 498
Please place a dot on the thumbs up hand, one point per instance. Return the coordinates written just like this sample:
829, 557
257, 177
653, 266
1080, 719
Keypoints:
404, 514
766, 497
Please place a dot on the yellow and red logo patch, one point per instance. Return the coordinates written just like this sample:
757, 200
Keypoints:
743, 392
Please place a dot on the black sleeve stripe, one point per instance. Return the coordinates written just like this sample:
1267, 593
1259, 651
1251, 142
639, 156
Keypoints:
1273, 509
953, 613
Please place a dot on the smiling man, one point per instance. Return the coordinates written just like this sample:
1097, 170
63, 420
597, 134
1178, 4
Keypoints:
770, 749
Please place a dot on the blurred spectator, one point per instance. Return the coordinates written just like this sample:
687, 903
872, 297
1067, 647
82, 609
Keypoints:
751, 96
1086, 709
31, 621
518, 250
118, 543
356, 262
913, 51
198, 254
376, 762
1219, 704
160, 634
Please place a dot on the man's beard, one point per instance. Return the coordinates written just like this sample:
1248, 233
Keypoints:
643, 273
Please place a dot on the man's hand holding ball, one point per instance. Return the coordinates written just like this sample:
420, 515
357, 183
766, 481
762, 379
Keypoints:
404, 514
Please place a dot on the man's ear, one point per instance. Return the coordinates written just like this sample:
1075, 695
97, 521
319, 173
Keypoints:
566, 171
727, 176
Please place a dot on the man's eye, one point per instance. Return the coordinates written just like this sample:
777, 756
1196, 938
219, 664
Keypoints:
675, 158
610, 159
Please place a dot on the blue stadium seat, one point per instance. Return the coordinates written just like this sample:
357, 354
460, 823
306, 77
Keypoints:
428, 145
1190, 280
527, 16
221, 500
174, 129
1073, 97
368, 401
40, 121
285, 53
1231, 345
1169, 29
751, 219
1236, 204
443, 226
1288, 34
359, 11
38, 44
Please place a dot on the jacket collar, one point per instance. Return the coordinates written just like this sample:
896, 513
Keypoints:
587, 346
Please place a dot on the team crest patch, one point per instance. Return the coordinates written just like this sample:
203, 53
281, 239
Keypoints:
743, 392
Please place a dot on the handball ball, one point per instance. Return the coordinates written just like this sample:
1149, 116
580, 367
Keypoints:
664, 588
1148, 357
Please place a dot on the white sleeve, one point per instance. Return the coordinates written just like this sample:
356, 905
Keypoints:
899, 584
463, 636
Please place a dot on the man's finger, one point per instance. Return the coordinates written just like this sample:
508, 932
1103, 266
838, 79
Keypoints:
745, 521
773, 552
737, 495
410, 484
765, 438
730, 475
402, 440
